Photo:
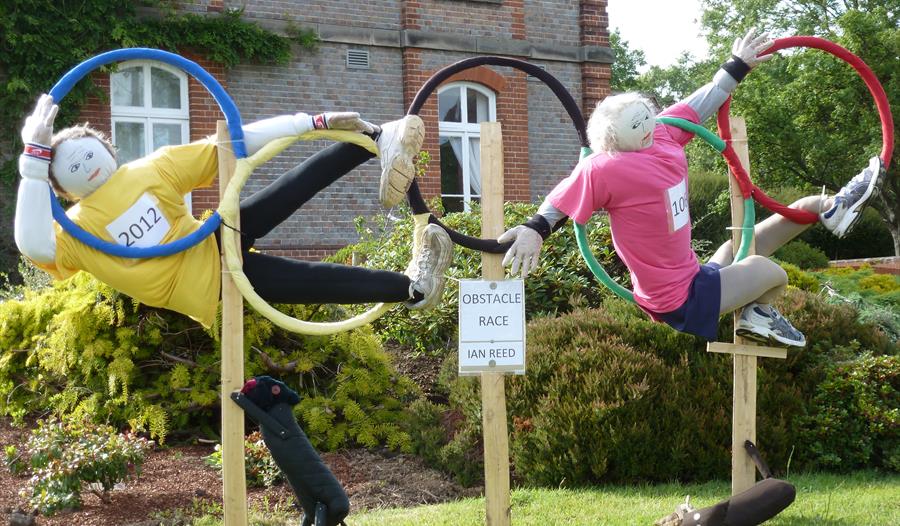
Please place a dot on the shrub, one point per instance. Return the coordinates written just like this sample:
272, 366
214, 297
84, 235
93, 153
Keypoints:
260, 467
869, 238
81, 348
710, 210
550, 289
610, 396
799, 253
855, 421
64, 458
798, 278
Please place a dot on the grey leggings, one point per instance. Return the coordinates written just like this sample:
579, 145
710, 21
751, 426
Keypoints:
757, 278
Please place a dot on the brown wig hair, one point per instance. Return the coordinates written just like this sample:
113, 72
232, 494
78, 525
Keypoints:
78, 131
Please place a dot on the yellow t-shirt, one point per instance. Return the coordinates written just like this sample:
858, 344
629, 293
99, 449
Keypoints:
142, 204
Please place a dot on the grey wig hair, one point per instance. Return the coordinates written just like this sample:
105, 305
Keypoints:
601, 130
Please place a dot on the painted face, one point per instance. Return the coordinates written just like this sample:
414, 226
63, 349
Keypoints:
634, 127
82, 165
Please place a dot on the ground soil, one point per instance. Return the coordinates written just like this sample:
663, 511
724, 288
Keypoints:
175, 477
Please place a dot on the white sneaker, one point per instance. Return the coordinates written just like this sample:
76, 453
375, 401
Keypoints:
767, 325
431, 257
852, 199
399, 144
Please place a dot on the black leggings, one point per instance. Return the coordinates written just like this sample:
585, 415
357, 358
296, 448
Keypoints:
284, 280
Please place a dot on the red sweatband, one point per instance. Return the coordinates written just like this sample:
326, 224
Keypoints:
38, 151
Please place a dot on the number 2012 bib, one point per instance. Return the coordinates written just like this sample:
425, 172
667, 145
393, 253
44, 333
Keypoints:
142, 225
679, 214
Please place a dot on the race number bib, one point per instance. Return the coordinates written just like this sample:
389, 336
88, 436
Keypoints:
678, 206
143, 225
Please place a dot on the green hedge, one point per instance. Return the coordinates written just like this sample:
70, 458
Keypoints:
610, 396
81, 349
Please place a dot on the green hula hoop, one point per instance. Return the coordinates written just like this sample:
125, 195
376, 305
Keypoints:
749, 214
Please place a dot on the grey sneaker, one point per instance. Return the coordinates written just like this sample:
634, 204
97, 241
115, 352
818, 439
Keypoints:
431, 257
767, 325
398, 144
852, 199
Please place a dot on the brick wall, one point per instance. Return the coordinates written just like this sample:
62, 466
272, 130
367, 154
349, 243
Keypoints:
312, 83
553, 21
503, 20
594, 31
95, 111
379, 14
554, 146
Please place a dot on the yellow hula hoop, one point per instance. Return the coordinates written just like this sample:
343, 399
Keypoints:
229, 209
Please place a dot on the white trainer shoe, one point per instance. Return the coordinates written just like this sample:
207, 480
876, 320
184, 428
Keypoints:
399, 144
431, 257
766, 325
852, 199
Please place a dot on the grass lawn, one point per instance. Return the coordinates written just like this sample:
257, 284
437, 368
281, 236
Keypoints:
859, 499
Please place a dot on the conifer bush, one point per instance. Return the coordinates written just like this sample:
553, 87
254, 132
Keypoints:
80, 348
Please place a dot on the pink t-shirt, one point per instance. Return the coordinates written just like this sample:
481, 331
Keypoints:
646, 195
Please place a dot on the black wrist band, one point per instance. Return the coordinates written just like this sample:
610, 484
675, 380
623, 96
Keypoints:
737, 68
540, 225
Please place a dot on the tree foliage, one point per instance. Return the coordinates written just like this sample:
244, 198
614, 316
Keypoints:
810, 119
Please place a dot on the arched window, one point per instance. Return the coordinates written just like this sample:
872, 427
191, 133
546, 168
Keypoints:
461, 107
149, 108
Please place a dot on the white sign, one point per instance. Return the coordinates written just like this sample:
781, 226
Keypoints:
491, 326
142, 225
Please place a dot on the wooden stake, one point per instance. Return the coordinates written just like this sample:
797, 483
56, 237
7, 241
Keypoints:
493, 394
234, 486
743, 426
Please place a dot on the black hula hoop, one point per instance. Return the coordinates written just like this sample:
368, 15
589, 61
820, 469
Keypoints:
414, 195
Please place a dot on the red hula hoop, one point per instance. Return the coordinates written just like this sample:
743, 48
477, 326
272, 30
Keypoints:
884, 112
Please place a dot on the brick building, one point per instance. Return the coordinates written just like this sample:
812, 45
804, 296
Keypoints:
373, 57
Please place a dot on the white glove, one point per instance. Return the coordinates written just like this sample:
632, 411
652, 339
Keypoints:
749, 47
34, 163
525, 250
343, 120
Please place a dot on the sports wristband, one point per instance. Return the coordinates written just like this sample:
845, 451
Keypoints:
540, 225
37, 151
736, 67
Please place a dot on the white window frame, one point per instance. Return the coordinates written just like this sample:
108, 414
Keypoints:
147, 114
466, 131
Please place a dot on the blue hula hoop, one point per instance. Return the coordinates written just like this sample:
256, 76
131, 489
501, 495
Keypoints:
232, 118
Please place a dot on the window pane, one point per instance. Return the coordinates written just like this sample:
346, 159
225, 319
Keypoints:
448, 106
474, 165
129, 140
453, 204
451, 169
165, 134
165, 89
128, 87
476, 106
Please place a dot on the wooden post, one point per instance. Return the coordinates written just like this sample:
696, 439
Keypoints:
743, 471
493, 394
234, 486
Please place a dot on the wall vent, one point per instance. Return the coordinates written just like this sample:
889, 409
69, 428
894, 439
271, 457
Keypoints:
357, 59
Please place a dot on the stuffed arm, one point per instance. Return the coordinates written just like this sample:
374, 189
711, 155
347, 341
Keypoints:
258, 134
744, 57
33, 231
